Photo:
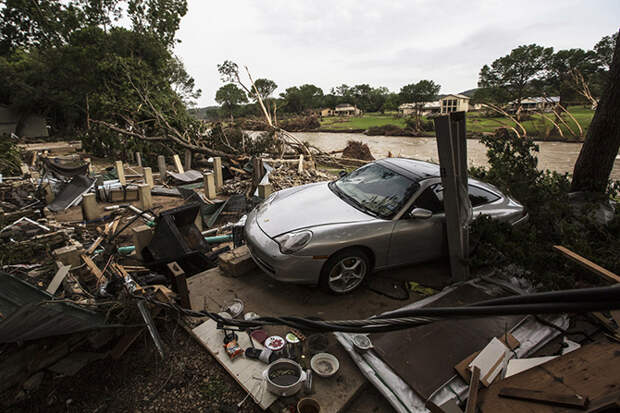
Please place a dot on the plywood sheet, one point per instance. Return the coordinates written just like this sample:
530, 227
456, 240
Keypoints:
248, 373
424, 357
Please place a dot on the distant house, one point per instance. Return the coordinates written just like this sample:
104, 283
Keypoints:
428, 108
346, 109
454, 103
534, 104
27, 126
326, 112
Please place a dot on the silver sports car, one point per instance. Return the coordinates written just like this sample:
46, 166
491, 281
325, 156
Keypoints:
384, 214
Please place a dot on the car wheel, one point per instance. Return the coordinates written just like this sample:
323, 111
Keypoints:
344, 271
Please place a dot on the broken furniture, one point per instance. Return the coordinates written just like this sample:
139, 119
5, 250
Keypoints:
178, 239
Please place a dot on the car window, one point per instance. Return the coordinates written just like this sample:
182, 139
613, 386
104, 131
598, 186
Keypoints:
479, 196
431, 198
376, 189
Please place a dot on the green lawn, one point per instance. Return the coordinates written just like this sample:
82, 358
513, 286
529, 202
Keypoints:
537, 126
361, 122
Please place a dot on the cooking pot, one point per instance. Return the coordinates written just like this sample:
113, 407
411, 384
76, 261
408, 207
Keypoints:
284, 377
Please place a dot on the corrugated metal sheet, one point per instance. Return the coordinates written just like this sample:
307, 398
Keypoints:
26, 313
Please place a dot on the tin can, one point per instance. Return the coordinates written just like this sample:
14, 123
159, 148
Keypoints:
293, 346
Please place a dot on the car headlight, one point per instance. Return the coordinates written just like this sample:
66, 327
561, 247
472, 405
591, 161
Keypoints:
293, 241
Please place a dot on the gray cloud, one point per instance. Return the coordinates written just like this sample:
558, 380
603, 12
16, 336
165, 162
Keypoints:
387, 43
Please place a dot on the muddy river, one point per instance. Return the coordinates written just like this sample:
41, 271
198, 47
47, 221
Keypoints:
557, 156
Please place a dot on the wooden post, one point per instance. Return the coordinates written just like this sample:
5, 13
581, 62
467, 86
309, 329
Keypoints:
90, 165
264, 190
180, 283
177, 163
161, 165
142, 236
146, 202
120, 172
217, 171
89, 207
209, 185
451, 146
257, 171
138, 159
148, 176
300, 168
188, 160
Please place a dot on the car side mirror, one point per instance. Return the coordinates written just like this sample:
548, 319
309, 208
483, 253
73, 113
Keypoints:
342, 174
420, 213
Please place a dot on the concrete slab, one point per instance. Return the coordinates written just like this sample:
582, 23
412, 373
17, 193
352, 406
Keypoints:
210, 290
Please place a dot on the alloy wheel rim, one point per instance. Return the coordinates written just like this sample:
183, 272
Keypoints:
347, 274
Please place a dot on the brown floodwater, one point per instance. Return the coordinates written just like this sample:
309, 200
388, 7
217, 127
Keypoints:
555, 156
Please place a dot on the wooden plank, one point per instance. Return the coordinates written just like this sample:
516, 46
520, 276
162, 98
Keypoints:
558, 399
177, 163
248, 373
120, 172
472, 396
57, 280
93, 268
465, 372
591, 370
589, 265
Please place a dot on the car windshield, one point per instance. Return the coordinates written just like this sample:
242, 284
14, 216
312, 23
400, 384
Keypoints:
375, 189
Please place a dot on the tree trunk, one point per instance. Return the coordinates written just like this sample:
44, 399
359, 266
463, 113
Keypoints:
597, 155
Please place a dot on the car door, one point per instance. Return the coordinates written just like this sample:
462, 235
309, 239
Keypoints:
420, 239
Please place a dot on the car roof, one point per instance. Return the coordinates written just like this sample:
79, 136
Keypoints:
411, 168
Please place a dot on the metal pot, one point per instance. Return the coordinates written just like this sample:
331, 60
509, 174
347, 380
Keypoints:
284, 377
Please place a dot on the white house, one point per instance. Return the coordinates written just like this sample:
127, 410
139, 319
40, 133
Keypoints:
533, 104
428, 108
346, 109
454, 103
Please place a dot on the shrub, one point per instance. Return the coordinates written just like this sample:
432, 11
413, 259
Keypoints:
554, 219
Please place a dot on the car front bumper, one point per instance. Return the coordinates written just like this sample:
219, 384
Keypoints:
266, 253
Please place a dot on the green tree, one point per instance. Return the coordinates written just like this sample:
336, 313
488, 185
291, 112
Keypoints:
561, 69
265, 88
298, 99
604, 50
230, 96
514, 76
418, 94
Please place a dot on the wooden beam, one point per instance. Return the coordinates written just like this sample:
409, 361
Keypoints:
161, 165
558, 399
94, 270
177, 163
217, 171
587, 264
209, 185
148, 176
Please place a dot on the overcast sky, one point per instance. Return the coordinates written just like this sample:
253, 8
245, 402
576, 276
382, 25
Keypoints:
382, 43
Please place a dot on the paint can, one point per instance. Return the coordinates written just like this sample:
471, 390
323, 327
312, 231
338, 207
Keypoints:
308, 405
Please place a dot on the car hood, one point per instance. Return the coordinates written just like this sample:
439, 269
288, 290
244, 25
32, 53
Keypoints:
304, 207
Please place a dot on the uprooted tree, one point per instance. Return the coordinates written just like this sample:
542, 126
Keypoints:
597, 155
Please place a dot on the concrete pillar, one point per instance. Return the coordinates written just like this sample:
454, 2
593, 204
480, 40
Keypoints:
120, 171
146, 202
264, 190
161, 165
89, 207
188, 160
300, 167
138, 159
148, 176
177, 163
217, 171
209, 185
142, 236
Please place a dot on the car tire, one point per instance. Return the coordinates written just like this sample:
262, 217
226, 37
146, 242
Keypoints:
344, 271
